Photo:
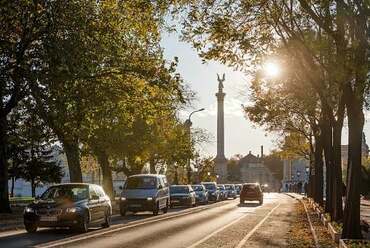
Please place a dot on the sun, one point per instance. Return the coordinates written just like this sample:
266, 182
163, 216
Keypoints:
271, 69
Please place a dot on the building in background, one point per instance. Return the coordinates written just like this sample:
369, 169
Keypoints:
252, 169
296, 172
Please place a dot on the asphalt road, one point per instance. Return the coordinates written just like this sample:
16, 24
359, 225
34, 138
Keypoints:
223, 224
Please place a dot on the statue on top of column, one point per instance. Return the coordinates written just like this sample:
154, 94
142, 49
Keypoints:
220, 81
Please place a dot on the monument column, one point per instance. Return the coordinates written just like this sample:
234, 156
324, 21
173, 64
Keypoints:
220, 160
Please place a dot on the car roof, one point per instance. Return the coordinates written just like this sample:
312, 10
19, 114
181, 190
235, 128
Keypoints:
179, 186
74, 184
147, 175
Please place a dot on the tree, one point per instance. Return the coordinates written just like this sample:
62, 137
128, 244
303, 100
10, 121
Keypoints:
237, 33
23, 25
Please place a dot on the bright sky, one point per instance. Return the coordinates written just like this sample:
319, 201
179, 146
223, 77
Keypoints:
241, 136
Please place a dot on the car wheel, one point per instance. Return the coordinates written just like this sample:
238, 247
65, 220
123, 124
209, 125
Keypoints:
83, 226
106, 219
31, 227
261, 202
165, 209
156, 209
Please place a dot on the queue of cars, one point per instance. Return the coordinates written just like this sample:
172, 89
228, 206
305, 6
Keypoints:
80, 205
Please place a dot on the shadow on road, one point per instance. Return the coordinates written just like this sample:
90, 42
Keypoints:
249, 204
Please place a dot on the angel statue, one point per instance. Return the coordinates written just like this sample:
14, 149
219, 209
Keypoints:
220, 81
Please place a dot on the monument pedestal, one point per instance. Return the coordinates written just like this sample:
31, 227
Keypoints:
221, 169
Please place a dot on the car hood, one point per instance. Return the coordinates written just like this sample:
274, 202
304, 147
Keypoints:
138, 193
38, 204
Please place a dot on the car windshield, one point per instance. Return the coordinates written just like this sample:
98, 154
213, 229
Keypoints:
197, 187
229, 187
179, 189
66, 193
141, 183
209, 186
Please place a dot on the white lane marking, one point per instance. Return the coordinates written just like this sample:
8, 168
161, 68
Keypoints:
217, 231
126, 226
245, 239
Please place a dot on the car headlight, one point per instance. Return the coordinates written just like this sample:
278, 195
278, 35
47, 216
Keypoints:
29, 210
123, 199
72, 210
149, 199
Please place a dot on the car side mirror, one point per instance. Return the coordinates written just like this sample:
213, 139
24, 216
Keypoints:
37, 197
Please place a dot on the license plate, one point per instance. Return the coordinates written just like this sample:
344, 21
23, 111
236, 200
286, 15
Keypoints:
48, 218
175, 201
135, 205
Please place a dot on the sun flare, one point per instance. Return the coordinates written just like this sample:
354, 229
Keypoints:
271, 69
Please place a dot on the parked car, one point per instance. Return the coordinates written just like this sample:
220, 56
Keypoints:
74, 205
238, 188
251, 192
213, 192
201, 194
145, 192
182, 195
223, 191
231, 191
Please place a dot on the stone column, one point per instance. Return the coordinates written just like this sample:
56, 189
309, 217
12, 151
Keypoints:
220, 160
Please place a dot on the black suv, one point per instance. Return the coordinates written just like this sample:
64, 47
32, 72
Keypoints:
75, 205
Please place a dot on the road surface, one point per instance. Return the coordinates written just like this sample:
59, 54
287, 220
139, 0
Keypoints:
223, 224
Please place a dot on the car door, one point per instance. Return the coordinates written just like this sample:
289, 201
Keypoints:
101, 208
161, 192
93, 204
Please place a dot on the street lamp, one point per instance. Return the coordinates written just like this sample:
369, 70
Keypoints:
188, 124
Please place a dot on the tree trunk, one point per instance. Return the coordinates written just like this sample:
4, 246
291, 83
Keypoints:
318, 182
152, 166
73, 158
337, 173
12, 189
4, 194
107, 173
33, 188
327, 145
351, 220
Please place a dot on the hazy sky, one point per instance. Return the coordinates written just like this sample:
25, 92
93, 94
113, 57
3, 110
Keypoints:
241, 136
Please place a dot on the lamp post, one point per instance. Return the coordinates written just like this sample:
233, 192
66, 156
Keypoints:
188, 124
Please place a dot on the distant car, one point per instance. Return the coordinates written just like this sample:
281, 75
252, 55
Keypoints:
213, 192
201, 193
231, 191
238, 188
75, 205
251, 192
145, 192
182, 195
223, 191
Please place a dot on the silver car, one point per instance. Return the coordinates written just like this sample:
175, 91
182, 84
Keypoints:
145, 192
